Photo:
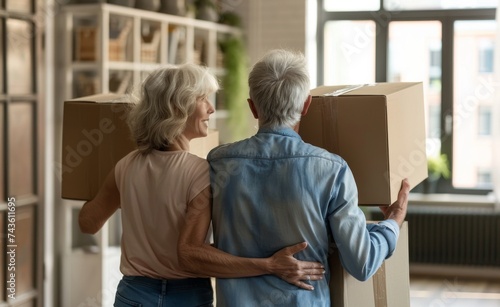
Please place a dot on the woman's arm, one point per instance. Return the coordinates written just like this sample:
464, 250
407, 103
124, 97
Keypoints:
200, 258
97, 211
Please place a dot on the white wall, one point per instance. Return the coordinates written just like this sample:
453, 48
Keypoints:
272, 24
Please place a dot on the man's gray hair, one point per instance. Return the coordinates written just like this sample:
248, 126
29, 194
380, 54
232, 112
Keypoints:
279, 85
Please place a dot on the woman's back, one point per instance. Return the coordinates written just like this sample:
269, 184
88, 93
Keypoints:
154, 191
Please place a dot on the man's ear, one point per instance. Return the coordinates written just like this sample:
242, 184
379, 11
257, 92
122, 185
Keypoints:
253, 109
307, 103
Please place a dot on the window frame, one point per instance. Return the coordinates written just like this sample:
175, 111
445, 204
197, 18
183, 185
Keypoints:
382, 19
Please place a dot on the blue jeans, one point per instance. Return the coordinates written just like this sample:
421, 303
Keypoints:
143, 291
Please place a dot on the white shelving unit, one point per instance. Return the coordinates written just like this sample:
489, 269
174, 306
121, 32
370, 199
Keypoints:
174, 40
105, 50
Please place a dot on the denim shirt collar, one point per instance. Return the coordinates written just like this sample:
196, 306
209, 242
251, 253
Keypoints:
284, 131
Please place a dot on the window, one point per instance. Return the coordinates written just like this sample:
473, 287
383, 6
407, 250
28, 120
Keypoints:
448, 45
358, 5
484, 178
472, 95
435, 66
486, 56
484, 121
438, 4
350, 50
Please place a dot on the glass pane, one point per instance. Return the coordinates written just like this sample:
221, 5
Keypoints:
415, 56
19, 57
120, 38
358, 5
2, 253
26, 255
85, 83
201, 50
398, 5
85, 39
474, 96
177, 39
2, 146
349, 52
21, 154
120, 81
2, 70
150, 41
23, 6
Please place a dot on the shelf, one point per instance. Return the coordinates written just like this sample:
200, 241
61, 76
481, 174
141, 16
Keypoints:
453, 200
142, 41
83, 10
79, 66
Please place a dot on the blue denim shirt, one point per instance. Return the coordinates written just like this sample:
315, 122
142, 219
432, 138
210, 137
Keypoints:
273, 190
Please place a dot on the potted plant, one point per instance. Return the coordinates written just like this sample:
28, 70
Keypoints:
234, 83
438, 167
206, 10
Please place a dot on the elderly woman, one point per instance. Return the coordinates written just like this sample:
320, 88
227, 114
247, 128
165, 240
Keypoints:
161, 188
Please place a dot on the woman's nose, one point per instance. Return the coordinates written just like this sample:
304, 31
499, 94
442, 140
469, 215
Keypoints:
211, 108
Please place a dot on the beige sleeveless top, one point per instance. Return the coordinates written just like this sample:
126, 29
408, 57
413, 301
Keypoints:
154, 192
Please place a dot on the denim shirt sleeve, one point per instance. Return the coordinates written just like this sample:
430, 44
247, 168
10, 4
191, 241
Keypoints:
362, 248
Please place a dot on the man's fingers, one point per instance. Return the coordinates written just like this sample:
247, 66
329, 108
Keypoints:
315, 274
405, 186
405, 189
305, 265
304, 285
296, 248
318, 276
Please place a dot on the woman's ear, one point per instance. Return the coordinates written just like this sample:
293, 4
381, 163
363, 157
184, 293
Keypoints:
253, 108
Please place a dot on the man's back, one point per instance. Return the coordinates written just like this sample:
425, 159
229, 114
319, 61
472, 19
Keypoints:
271, 191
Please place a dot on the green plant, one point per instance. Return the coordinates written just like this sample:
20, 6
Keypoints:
205, 3
234, 83
230, 18
438, 166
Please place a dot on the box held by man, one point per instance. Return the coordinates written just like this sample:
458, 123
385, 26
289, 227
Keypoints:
379, 129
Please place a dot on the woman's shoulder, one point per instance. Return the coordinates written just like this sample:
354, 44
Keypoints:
192, 158
125, 159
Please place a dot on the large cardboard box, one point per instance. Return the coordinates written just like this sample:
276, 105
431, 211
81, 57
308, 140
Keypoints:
389, 287
378, 129
95, 137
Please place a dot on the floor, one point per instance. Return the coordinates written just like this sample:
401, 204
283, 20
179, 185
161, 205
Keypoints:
453, 292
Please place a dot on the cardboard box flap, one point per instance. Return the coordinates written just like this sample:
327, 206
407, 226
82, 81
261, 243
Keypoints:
103, 98
361, 89
328, 90
382, 88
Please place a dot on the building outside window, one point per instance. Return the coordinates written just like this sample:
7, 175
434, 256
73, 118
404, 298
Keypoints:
485, 121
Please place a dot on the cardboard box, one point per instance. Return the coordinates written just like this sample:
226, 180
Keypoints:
378, 129
95, 137
389, 287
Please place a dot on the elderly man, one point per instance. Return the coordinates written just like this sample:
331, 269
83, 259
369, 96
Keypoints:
273, 190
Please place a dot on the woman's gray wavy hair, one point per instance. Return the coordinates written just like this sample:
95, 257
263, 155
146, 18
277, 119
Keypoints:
168, 96
279, 86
